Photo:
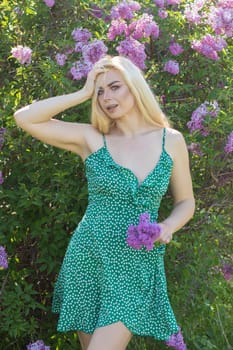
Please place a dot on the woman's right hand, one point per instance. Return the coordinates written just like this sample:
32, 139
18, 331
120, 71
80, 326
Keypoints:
89, 86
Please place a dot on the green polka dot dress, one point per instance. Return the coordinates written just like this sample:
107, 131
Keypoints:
102, 279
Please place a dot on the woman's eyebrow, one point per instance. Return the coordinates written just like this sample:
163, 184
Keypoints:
110, 84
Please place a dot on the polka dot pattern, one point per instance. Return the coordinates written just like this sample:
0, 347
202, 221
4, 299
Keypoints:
103, 280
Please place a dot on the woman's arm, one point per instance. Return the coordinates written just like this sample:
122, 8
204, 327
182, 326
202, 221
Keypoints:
37, 118
181, 187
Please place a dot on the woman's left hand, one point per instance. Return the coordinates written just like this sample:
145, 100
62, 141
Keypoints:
166, 234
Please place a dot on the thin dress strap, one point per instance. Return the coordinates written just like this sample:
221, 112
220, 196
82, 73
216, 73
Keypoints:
104, 140
164, 138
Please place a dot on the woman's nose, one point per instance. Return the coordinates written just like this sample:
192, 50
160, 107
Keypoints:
106, 94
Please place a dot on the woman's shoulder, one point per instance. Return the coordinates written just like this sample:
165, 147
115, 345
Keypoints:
173, 135
174, 141
94, 138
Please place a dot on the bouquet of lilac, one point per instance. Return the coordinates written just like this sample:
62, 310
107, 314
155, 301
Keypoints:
144, 234
176, 341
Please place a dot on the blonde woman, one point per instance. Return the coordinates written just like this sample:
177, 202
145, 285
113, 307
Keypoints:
107, 290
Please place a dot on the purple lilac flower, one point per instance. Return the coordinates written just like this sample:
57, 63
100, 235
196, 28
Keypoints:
227, 271
117, 27
173, 2
225, 3
144, 234
93, 51
80, 34
191, 11
3, 258
132, 237
22, 53
49, 3
80, 70
144, 27
198, 117
79, 46
160, 3
125, 10
176, 341
2, 132
175, 49
221, 20
38, 345
134, 50
162, 13
1, 178
171, 67
195, 149
61, 59
209, 46
229, 146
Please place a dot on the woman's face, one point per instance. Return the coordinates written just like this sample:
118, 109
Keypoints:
113, 95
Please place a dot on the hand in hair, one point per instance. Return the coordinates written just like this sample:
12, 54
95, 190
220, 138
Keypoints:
88, 88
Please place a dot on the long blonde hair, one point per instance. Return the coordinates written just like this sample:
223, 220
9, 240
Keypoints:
145, 99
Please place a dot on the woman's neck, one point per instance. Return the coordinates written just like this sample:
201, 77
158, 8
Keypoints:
131, 126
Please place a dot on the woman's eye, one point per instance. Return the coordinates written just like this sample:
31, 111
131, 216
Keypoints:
115, 87
100, 92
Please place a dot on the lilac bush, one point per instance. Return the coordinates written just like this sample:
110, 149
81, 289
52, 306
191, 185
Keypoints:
66, 39
124, 24
137, 28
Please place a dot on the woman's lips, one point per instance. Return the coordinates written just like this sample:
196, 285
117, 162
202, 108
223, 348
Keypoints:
111, 108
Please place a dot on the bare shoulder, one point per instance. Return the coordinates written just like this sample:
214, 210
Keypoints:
93, 138
175, 142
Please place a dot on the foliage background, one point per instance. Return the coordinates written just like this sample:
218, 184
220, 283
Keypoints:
44, 192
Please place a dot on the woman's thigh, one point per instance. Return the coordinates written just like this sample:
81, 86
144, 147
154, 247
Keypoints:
84, 339
113, 337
